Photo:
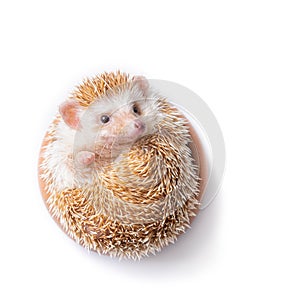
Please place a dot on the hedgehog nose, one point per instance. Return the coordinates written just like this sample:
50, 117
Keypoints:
138, 124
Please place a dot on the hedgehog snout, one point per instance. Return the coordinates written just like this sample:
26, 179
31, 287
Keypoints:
139, 125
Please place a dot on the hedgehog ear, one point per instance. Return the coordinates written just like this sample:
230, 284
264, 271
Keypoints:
70, 111
142, 83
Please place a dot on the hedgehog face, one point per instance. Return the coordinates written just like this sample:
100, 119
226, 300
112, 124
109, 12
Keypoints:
121, 118
124, 125
116, 120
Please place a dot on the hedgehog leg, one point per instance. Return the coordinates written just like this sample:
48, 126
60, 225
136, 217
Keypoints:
85, 158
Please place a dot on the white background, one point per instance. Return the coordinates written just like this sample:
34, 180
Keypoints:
243, 59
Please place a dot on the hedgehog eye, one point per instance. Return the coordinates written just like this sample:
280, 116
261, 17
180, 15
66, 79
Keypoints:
136, 109
104, 119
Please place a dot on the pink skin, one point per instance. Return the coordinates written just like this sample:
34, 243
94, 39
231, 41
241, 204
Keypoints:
69, 110
85, 158
110, 144
142, 82
139, 128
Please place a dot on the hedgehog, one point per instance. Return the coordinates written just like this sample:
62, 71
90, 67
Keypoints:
118, 169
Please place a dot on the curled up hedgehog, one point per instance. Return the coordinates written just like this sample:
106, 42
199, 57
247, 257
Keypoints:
119, 167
